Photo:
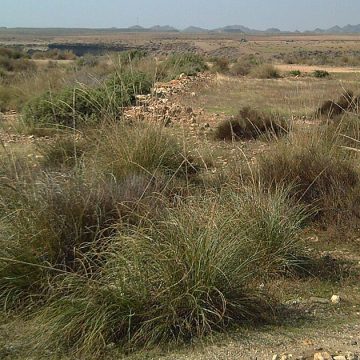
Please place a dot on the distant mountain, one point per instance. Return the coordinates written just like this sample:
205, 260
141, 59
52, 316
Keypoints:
273, 30
195, 29
166, 28
348, 29
137, 28
235, 28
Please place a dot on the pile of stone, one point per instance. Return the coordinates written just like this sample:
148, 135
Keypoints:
159, 107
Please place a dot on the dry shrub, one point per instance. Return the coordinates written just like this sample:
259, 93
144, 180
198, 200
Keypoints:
346, 102
319, 175
250, 124
265, 71
221, 65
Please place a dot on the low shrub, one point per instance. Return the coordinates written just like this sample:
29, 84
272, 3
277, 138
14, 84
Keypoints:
321, 74
50, 223
188, 63
265, 71
319, 175
221, 65
64, 152
132, 56
244, 65
7, 97
144, 150
250, 124
195, 272
333, 108
12, 60
295, 73
54, 54
74, 107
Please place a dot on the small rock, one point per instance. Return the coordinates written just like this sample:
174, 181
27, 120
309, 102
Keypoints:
335, 299
322, 356
353, 342
276, 357
339, 357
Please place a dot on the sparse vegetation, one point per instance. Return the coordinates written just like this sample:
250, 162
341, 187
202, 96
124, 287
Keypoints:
119, 235
54, 54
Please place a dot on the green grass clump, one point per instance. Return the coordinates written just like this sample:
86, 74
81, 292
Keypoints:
49, 224
143, 150
250, 124
82, 105
295, 73
194, 272
132, 56
65, 152
187, 63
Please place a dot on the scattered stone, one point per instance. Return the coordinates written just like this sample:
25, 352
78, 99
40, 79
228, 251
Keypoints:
351, 356
353, 342
335, 299
282, 357
339, 357
322, 356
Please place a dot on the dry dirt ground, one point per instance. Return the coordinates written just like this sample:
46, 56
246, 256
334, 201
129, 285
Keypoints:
309, 69
217, 44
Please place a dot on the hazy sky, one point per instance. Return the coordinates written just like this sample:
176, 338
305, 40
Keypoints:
260, 14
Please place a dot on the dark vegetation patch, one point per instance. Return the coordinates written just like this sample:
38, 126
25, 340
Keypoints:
347, 102
251, 124
321, 74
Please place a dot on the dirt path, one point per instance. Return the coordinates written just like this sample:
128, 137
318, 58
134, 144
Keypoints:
308, 68
287, 344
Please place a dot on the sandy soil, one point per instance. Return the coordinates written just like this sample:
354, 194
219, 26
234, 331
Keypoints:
308, 68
